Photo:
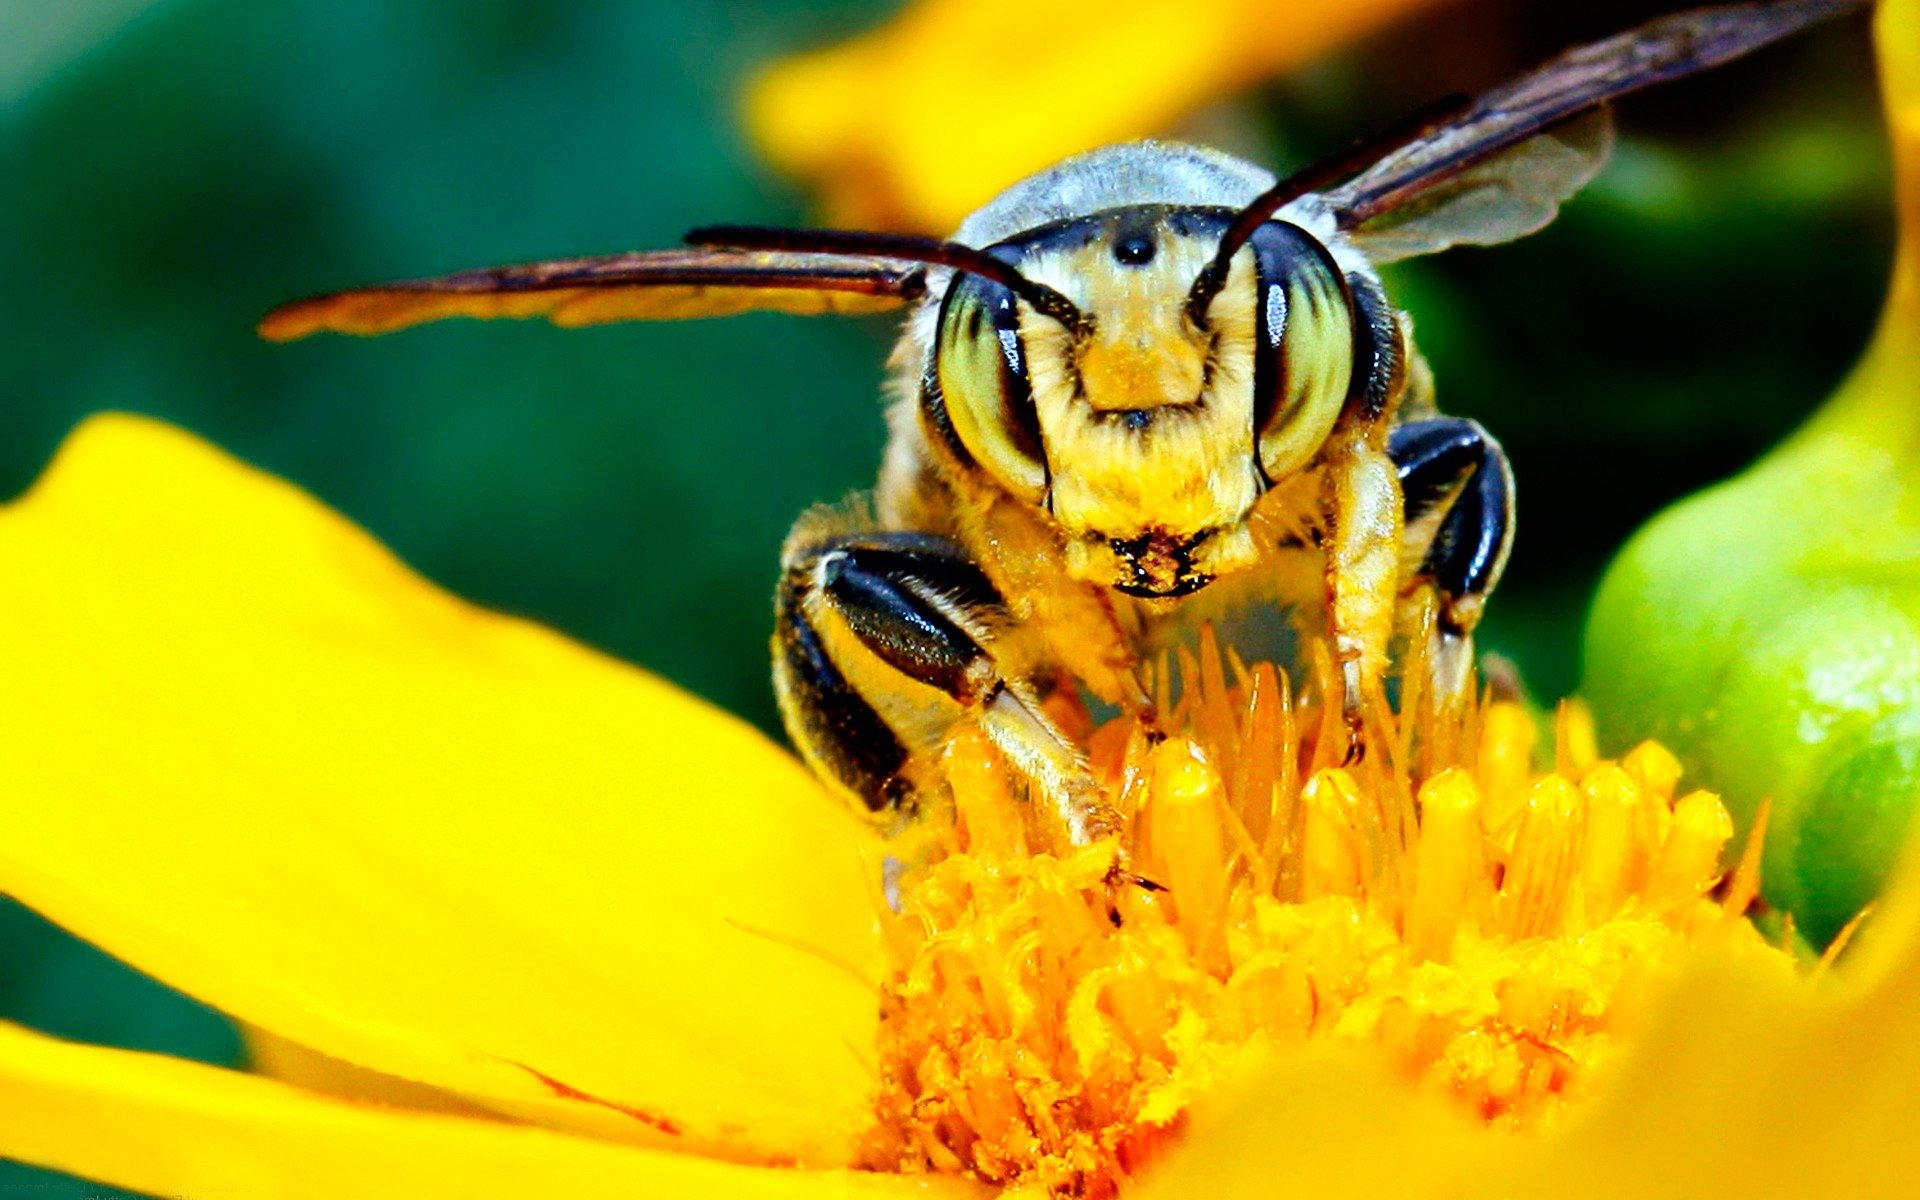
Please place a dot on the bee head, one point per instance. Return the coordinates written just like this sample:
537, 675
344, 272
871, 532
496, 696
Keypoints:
1149, 416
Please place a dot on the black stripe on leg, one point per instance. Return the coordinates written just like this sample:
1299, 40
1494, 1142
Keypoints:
1451, 466
884, 597
1432, 457
1471, 546
840, 729
934, 563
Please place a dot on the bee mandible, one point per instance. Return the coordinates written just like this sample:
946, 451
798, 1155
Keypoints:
1149, 385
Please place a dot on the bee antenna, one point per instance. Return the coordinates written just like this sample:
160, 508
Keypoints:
1318, 177
906, 247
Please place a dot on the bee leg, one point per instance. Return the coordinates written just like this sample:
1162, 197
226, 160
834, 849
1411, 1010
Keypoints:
1363, 506
1459, 527
1362, 511
885, 644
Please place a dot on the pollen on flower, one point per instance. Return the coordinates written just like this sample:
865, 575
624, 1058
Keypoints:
1489, 928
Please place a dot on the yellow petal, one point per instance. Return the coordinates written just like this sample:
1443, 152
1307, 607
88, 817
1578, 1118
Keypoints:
1325, 1127
922, 120
1897, 34
275, 1057
248, 751
1745, 1083
175, 1128
1748, 1084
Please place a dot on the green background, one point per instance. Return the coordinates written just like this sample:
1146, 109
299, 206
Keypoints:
170, 171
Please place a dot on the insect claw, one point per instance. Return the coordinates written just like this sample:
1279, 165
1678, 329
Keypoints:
1138, 704
1119, 880
1356, 745
1353, 712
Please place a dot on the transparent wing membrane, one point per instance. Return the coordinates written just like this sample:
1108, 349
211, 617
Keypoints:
1497, 199
1566, 87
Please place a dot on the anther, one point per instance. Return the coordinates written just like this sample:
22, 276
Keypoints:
1449, 864
1654, 766
1690, 861
1612, 851
1331, 847
1534, 894
1187, 842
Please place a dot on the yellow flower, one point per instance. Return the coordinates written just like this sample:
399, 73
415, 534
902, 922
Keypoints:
974, 93
513, 919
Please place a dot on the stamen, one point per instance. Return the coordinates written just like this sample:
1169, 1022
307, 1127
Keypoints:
1188, 847
1607, 867
1450, 864
1491, 932
1689, 861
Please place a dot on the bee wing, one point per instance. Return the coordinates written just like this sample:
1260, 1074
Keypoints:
1454, 162
659, 285
1497, 199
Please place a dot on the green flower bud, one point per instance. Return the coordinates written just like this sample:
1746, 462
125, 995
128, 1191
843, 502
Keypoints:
1768, 629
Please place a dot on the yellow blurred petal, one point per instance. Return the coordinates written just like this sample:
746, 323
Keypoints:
1745, 1083
919, 122
1897, 33
254, 755
1328, 1126
1873, 404
175, 1128
1750, 1084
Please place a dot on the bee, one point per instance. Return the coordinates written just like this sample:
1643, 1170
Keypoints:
1146, 386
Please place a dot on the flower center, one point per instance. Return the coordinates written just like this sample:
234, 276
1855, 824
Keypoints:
1486, 930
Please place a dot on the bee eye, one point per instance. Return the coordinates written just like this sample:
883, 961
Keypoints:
981, 368
1303, 348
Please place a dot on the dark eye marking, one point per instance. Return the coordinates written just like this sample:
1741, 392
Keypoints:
1134, 249
982, 393
1139, 419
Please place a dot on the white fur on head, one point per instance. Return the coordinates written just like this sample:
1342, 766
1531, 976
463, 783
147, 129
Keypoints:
1148, 172
1144, 172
